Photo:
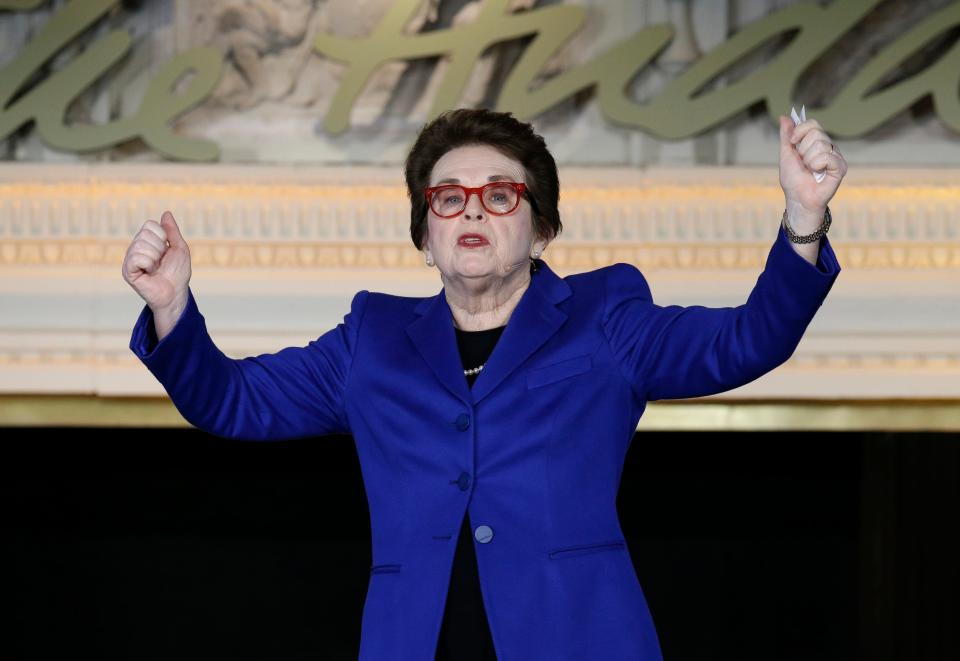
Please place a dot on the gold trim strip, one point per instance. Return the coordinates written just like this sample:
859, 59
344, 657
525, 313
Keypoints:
300, 254
747, 415
806, 415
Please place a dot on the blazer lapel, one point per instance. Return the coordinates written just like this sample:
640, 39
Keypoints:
534, 321
433, 335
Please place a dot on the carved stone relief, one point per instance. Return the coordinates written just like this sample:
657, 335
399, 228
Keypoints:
268, 47
276, 89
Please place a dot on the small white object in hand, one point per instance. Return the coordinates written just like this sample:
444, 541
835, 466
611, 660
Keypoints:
802, 117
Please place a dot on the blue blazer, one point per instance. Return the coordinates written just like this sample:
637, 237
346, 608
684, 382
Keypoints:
534, 450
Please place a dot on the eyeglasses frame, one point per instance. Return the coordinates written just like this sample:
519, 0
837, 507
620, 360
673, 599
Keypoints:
520, 187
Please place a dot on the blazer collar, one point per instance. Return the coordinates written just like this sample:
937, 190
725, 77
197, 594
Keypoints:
534, 321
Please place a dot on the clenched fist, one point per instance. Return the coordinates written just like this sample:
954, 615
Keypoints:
157, 266
805, 149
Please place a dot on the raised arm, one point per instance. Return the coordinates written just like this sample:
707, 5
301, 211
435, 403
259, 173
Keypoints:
296, 392
674, 352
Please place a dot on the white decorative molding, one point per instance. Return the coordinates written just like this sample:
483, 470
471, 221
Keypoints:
279, 251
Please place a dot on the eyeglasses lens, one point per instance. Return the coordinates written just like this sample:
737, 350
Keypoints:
500, 198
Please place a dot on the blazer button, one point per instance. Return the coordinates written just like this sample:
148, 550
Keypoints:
463, 422
463, 481
483, 534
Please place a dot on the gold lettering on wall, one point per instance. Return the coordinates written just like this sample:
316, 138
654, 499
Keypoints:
677, 112
683, 108
46, 102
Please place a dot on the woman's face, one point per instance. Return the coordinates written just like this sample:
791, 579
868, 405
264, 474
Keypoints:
506, 241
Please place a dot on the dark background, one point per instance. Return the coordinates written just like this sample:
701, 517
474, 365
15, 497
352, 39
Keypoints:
170, 543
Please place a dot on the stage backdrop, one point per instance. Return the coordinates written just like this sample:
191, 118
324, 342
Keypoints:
275, 132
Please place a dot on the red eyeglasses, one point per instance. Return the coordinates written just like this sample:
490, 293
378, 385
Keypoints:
498, 198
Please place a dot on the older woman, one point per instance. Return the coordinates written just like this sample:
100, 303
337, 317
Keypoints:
491, 420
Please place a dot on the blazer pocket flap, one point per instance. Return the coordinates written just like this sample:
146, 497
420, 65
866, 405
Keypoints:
541, 376
384, 569
582, 549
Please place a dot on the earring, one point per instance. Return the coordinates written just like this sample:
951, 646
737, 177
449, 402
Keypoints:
429, 260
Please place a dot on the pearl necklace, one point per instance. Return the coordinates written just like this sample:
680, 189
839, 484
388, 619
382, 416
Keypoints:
471, 372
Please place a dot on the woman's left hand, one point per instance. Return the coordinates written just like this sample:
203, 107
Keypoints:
805, 149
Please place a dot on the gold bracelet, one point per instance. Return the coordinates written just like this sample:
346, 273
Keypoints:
809, 238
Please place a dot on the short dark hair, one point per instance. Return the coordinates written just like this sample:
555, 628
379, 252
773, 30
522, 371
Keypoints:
503, 132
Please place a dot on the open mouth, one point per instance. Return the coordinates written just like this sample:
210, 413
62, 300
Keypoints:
472, 241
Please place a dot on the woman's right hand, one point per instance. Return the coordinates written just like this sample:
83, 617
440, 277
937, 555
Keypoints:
157, 265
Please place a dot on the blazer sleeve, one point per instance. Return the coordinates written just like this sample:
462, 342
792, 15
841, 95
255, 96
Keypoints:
296, 392
674, 352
